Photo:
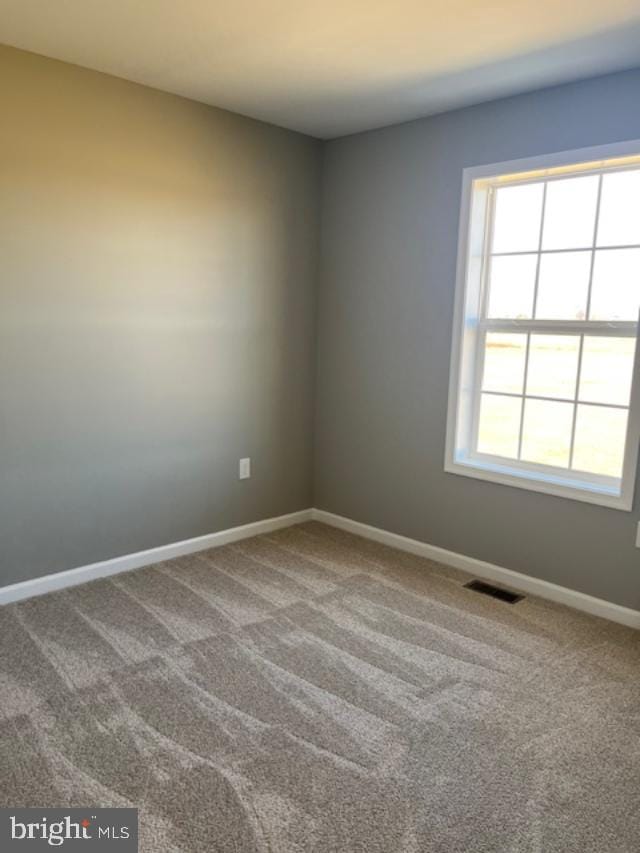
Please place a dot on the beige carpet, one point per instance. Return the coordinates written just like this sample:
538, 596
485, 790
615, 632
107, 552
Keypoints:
311, 691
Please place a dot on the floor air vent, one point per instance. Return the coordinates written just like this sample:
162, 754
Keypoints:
494, 591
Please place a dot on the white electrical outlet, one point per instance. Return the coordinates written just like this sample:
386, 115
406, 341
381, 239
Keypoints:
244, 469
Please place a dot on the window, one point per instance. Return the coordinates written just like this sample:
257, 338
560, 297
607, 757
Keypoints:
542, 392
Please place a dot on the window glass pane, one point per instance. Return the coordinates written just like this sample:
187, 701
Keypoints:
619, 220
570, 213
504, 356
607, 365
546, 434
615, 293
512, 280
517, 218
600, 438
553, 365
499, 428
563, 286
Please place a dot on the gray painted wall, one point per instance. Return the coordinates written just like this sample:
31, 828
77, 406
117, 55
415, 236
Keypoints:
158, 264
157, 317
390, 226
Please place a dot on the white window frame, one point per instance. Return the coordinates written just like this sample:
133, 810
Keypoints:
466, 359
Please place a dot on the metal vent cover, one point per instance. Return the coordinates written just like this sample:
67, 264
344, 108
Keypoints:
494, 591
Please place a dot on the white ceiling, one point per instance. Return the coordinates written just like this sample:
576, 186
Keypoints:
331, 67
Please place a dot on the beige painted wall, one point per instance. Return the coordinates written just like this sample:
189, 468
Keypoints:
157, 289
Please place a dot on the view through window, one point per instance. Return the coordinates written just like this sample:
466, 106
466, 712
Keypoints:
555, 324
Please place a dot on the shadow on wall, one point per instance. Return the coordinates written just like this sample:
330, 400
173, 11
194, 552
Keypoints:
585, 57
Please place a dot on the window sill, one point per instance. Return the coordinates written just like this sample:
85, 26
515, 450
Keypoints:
550, 484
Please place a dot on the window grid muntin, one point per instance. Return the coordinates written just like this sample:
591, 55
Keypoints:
517, 252
575, 401
547, 399
579, 328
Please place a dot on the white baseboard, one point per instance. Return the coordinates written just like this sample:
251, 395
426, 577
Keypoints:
106, 568
488, 571
479, 568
